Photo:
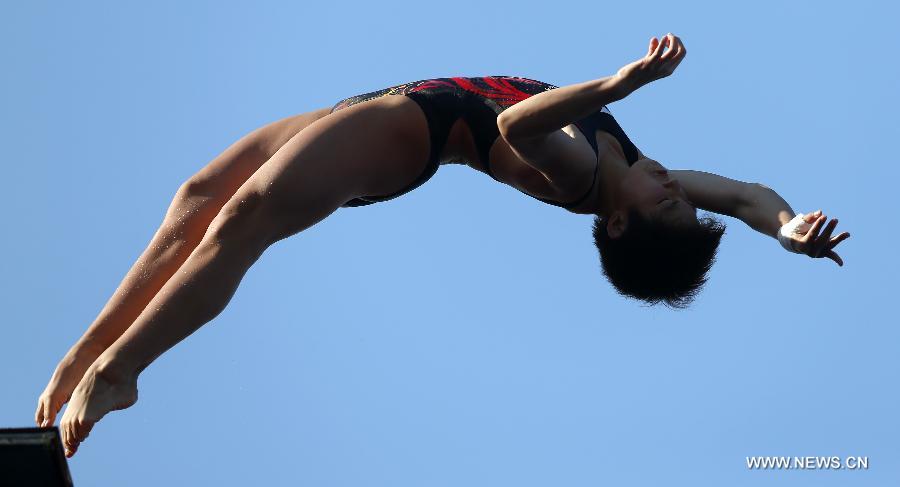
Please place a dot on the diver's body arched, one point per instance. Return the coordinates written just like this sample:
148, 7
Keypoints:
361, 153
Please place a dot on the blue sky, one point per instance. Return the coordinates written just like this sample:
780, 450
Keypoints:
462, 334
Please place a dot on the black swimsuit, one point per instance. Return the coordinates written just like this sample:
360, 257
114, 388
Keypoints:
479, 100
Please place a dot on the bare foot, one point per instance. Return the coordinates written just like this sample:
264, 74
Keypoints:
100, 391
67, 375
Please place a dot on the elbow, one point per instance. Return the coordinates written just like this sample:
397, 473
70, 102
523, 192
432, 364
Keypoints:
503, 125
755, 189
512, 133
752, 192
509, 129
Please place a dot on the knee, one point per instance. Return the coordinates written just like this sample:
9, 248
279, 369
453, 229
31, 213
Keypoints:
245, 217
197, 189
191, 210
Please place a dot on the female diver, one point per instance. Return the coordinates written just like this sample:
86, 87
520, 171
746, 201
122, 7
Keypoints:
560, 145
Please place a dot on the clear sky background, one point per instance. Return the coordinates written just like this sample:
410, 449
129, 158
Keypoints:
462, 334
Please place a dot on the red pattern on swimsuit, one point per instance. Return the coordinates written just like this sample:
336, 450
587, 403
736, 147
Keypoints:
502, 90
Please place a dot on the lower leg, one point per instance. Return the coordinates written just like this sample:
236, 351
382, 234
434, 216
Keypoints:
173, 242
196, 294
186, 221
194, 206
181, 231
297, 187
193, 296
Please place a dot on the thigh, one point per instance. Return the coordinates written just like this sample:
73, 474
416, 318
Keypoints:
374, 147
230, 169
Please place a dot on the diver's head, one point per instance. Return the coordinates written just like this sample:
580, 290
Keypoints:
652, 245
648, 189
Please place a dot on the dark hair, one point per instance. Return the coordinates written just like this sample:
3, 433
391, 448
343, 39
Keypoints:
655, 261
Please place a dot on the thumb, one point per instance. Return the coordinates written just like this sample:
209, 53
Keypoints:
811, 217
653, 43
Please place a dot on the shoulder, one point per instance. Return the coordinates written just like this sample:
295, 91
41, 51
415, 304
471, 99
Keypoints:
564, 158
558, 166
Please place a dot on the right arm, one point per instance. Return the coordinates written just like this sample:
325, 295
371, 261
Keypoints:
541, 114
544, 113
532, 127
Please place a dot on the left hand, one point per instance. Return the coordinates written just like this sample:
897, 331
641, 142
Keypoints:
655, 64
815, 245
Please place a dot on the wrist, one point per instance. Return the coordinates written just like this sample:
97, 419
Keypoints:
624, 85
796, 225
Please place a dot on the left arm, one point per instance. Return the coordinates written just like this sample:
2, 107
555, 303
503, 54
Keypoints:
761, 208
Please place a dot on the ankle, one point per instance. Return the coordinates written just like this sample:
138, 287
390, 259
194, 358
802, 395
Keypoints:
115, 370
87, 349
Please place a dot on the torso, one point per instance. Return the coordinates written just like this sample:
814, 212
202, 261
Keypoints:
512, 170
462, 146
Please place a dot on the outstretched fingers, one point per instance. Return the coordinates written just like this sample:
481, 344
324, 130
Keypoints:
816, 245
831, 254
811, 217
820, 242
813, 231
840, 238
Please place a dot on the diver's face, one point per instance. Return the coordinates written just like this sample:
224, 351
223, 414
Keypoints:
649, 189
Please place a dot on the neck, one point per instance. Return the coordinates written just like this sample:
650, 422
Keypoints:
610, 177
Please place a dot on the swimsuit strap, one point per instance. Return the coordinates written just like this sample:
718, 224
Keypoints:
599, 120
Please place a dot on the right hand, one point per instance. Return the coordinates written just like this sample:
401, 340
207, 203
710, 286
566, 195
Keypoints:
818, 245
64, 380
655, 64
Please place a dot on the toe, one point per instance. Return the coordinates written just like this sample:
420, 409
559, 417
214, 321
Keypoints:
66, 437
77, 435
70, 439
71, 446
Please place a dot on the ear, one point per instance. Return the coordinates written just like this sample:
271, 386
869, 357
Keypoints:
616, 223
